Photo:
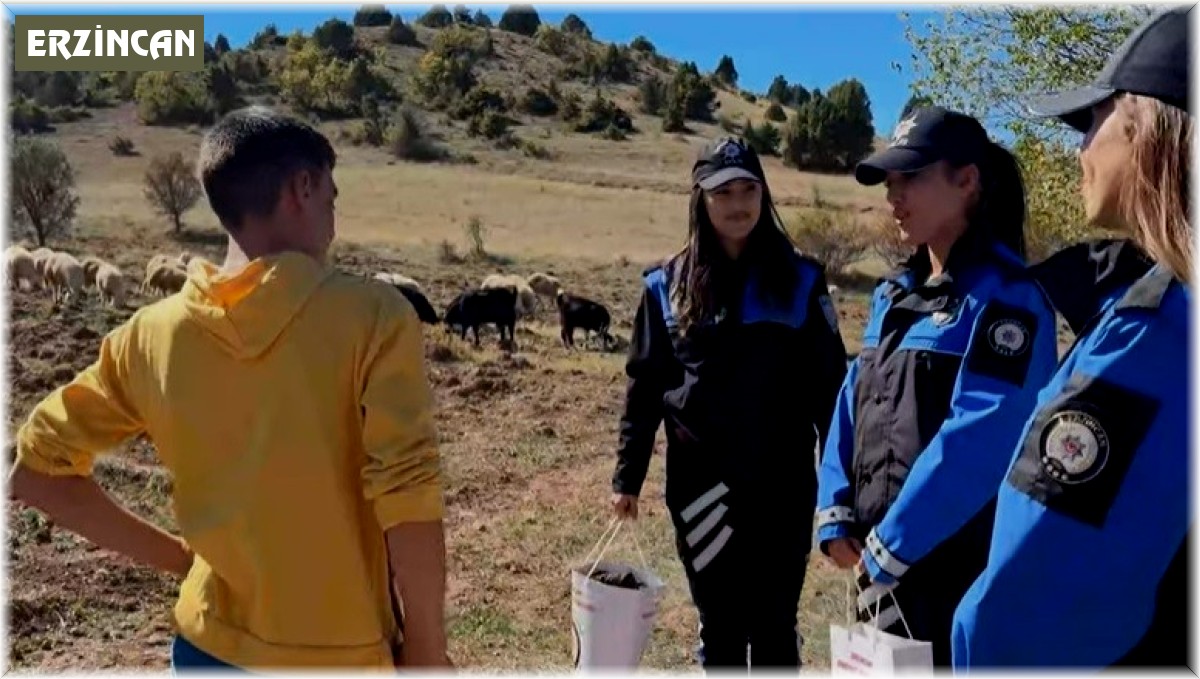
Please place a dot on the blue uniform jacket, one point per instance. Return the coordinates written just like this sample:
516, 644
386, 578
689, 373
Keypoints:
1087, 565
910, 466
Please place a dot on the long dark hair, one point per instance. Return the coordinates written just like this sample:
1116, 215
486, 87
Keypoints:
702, 265
1000, 212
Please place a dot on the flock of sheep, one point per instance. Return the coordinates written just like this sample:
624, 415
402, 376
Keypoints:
500, 300
68, 277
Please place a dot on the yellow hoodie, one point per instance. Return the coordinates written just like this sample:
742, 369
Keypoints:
289, 401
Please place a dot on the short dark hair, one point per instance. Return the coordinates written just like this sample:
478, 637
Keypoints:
246, 158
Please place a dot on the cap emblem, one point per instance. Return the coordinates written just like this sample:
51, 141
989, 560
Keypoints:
900, 136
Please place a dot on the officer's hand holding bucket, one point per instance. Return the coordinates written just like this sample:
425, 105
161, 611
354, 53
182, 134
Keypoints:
613, 606
864, 648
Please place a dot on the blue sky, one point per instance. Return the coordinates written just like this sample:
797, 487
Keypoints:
812, 45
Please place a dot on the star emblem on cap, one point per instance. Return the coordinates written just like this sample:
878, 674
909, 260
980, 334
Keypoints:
900, 136
731, 153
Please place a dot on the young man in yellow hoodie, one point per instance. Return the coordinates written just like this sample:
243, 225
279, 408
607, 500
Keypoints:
289, 402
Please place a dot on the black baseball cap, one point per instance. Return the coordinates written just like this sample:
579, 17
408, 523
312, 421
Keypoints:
723, 160
1154, 61
927, 135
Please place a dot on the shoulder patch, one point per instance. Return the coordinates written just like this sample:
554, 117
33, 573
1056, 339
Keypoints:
1080, 445
1001, 346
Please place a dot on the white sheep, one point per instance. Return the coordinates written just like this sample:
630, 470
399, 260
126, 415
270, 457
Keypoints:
21, 268
527, 300
40, 256
64, 275
110, 282
399, 280
167, 279
544, 284
91, 264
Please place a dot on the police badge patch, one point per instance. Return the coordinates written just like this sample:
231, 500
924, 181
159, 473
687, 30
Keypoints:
1000, 345
1080, 445
830, 313
1074, 447
1008, 337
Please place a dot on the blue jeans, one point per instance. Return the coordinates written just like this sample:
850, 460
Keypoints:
186, 657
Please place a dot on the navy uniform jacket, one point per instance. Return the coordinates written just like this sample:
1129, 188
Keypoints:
929, 413
1088, 560
742, 397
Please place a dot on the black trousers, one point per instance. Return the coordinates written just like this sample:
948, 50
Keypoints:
746, 585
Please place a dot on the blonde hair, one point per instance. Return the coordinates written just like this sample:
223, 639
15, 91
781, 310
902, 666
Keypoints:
1156, 202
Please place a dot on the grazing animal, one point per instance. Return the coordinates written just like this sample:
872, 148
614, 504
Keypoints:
526, 301
579, 312
167, 279
91, 264
544, 284
474, 308
21, 268
110, 282
40, 256
64, 276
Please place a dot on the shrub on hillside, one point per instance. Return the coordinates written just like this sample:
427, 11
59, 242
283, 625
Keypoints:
522, 19
775, 112
831, 236
406, 139
121, 146
171, 98
460, 41
488, 124
570, 106
337, 37
437, 17
481, 20
574, 25
479, 100
652, 96
268, 37
764, 139
538, 103
400, 33
601, 114
171, 187
641, 44
552, 41
42, 198
694, 92
27, 117
372, 15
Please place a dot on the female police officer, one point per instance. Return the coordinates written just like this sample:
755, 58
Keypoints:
1088, 561
735, 346
959, 340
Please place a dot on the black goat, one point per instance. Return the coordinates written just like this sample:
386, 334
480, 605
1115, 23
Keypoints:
474, 308
579, 312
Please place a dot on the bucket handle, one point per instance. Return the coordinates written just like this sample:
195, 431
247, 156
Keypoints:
606, 538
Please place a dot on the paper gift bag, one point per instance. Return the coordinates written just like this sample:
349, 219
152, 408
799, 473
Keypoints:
614, 606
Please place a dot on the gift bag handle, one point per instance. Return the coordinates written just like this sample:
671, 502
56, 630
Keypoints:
606, 538
853, 599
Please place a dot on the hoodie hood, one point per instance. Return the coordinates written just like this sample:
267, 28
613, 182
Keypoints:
245, 311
